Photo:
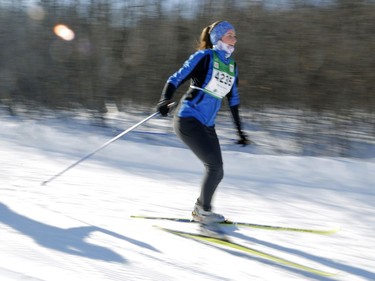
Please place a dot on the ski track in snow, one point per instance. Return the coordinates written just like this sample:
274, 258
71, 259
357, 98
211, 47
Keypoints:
78, 227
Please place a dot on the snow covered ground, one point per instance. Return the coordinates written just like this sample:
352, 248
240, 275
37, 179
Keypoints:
78, 227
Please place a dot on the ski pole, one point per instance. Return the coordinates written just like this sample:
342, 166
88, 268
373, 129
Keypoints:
104, 145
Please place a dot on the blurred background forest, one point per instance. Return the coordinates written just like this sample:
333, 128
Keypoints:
314, 56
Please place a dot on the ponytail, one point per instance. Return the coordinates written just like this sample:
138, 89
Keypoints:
204, 39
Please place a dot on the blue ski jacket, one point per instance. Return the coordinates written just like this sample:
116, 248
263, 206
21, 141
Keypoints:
197, 103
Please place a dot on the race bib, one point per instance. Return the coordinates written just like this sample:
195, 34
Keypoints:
222, 78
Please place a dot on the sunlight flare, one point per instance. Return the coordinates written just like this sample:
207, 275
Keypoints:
64, 32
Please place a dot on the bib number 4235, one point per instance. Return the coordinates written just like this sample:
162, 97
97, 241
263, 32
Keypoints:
224, 78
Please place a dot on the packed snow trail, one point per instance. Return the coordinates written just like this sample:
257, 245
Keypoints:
79, 227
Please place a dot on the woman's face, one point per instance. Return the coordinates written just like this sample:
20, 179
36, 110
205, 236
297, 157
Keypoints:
230, 38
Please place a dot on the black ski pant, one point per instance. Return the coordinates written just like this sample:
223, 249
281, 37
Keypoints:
204, 143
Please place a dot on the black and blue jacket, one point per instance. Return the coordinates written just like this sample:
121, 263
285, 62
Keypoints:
197, 103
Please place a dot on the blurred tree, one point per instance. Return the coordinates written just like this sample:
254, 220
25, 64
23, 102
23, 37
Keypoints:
318, 58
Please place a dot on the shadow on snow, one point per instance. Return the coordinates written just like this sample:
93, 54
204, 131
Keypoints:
70, 240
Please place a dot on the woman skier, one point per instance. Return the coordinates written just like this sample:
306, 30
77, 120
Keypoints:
213, 75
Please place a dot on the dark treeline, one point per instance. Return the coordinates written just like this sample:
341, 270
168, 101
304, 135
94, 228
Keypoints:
314, 57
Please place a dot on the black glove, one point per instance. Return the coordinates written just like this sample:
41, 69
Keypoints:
243, 139
163, 107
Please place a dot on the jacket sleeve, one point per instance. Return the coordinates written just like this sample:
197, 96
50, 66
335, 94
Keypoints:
168, 92
234, 102
236, 117
183, 74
